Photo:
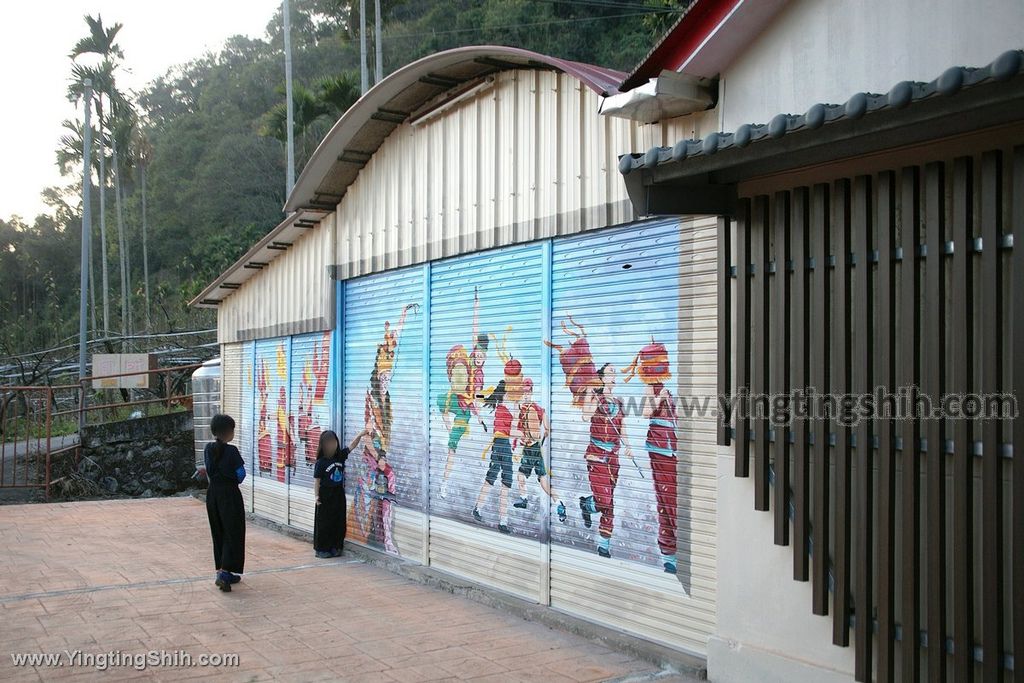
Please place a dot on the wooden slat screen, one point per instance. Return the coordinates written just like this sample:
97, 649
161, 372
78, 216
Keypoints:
910, 531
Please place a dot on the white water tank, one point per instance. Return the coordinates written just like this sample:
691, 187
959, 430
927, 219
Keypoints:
205, 403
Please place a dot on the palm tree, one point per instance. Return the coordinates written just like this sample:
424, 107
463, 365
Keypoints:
122, 124
69, 158
330, 98
101, 41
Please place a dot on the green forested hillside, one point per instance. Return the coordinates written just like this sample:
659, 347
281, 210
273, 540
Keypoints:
208, 136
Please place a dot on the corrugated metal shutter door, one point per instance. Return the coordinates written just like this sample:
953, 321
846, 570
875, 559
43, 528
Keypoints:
502, 339
617, 298
383, 385
273, 447
310, 415
232, 370
245, 422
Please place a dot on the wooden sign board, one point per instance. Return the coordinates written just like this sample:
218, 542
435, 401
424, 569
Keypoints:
106, 364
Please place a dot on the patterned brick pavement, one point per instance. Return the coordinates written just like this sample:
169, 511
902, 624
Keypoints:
135, 576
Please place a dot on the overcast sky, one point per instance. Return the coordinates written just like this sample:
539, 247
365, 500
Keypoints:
35, 39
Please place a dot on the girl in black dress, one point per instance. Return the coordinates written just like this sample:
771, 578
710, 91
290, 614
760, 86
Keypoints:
225, 471
329, 491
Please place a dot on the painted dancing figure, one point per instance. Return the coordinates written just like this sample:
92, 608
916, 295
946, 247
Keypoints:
605, 414
462, 397
501, 458
375, 491
652, 366
534, 428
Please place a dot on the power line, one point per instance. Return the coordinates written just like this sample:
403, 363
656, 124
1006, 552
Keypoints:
611, 4
524, 25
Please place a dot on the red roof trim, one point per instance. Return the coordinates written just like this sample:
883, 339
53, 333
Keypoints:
682, 40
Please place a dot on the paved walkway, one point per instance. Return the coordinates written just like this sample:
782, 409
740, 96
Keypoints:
134, 577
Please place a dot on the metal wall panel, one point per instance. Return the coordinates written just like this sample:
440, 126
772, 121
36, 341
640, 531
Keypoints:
309, 415
294, 294
633, 315
383, 390
274, 449
245, 420
527, 157
485, 341
232, 390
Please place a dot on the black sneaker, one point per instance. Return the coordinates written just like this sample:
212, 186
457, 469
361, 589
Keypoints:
503, 528
604, 552
223, 581
585, 511
476, 515
324, 554
521, 503
233, 578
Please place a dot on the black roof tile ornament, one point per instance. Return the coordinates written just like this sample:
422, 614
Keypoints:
903, 94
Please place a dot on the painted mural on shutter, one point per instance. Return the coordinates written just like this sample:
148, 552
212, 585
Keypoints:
245, 420
383, 392
616, 442
310, 414
485, 364
274, 449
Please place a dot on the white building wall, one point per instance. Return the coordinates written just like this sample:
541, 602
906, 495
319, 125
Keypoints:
827, 50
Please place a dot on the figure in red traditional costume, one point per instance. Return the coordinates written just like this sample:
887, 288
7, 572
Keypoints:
651, 365
592, 392
263, 441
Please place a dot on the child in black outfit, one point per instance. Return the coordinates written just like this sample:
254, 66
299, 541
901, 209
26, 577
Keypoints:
329, 491
225, 471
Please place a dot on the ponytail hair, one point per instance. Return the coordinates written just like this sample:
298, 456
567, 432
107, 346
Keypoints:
219, 426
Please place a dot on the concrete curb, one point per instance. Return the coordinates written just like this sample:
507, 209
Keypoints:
664, 657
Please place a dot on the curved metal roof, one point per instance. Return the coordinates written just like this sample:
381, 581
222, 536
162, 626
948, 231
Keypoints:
408, 92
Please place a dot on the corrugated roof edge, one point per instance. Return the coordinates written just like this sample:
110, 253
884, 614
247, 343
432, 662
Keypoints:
953, 80
265, 249
601, 80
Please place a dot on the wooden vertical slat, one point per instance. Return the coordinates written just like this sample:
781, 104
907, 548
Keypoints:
820, 328
742, 420
840, 381
885, 376
862, 384
800, 363
960, 382
991, 284
760, 330
724, 322
1016, 602
932, 385
779, 371
909, 376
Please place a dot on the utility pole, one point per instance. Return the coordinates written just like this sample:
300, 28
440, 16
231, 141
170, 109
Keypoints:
378, 62
290, 176
145, 249
364, 73
86, 230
